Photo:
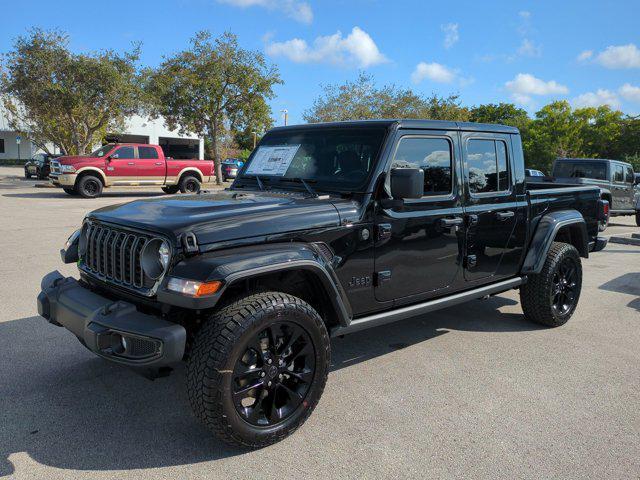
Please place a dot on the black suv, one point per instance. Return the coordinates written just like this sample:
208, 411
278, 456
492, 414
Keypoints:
328, 229
39, 166
616, 178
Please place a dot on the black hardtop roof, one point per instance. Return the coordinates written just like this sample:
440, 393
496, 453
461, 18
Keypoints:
410, 124
578, 159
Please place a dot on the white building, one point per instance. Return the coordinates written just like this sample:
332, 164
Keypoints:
138, 130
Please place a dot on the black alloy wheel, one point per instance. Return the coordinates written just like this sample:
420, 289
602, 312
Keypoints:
564, 287
273, 376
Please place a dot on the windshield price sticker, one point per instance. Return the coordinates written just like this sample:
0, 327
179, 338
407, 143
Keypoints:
273, 161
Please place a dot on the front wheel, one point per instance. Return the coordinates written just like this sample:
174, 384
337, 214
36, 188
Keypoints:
257, 368
551, 296
89, 186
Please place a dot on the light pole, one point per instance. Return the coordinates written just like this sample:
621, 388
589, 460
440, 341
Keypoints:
285, 112
255, 138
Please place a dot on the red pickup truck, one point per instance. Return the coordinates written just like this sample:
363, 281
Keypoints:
118, 164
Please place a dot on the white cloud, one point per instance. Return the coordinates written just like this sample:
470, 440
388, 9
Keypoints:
586, 55
596, 99
620, 56
451, 35
298, 10
525, 85
630, 92
529, 49
433, 71
356, 48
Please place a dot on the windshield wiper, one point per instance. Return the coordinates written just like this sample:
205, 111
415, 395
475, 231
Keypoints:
307, 187
259, 182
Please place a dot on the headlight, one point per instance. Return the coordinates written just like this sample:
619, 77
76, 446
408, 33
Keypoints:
72, 239
67, 169
193, 288
69, 253
155, 258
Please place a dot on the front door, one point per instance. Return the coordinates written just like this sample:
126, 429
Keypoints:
121, 165
492, 211
419, 245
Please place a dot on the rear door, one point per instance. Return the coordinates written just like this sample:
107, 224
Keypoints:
620, 190
419, 245
150, 167
121, 164
493, 211
629, 182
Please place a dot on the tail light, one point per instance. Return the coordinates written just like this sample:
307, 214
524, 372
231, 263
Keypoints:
603, 209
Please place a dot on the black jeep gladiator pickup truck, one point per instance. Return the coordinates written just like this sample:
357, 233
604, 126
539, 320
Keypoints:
328, 229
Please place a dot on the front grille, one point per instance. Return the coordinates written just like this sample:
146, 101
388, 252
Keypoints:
116, 255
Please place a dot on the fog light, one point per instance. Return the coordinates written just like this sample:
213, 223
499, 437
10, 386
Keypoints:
193, 288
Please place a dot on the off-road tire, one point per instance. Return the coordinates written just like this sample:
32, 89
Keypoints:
536, 296
223, 339
70, 191
171, 189
27, 176
189, 184
89, 186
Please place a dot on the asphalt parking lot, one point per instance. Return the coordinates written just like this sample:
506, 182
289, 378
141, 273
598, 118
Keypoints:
473, 391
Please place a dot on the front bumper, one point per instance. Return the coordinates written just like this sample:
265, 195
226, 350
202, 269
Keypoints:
114, 330
63, 180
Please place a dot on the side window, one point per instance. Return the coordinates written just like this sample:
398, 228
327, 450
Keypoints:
125, 152
630, 175
147, 152
487, 164
618, 174
1, 145
433, 155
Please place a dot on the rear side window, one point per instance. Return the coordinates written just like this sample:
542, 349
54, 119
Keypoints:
147, 152
1, 145
125, 152
487, 166
433, 155
630, 175
618, 173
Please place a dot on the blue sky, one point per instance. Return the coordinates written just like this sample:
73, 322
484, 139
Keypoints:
530, 53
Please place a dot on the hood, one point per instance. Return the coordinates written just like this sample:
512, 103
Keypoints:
73, 159
225, 216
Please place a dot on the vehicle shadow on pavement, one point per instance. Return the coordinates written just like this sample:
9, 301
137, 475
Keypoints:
474, 316
629, 284
68, 409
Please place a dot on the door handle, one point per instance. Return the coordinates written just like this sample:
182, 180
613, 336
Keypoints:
158, 163
502, 216
451, 222
131, 163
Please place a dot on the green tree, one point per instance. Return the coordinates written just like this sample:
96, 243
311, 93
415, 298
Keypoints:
362, 99
601, 131
213, 89
69, 100
502, 113
555, 132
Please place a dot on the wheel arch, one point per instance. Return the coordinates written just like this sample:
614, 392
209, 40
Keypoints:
566, 226
91, 170
189, 170
297, 269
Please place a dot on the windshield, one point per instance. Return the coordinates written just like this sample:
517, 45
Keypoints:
596, 170
103, 150
330, 158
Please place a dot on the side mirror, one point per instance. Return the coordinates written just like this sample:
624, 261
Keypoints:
407, 183
114, 156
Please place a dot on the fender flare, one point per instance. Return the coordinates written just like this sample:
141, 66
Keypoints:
100, 173
189, 169
605, 193
548, 227
243, 263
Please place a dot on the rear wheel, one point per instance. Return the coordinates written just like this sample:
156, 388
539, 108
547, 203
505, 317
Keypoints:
89, 186
27, 175
170, 189
189, 184
551, 296
257, 368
